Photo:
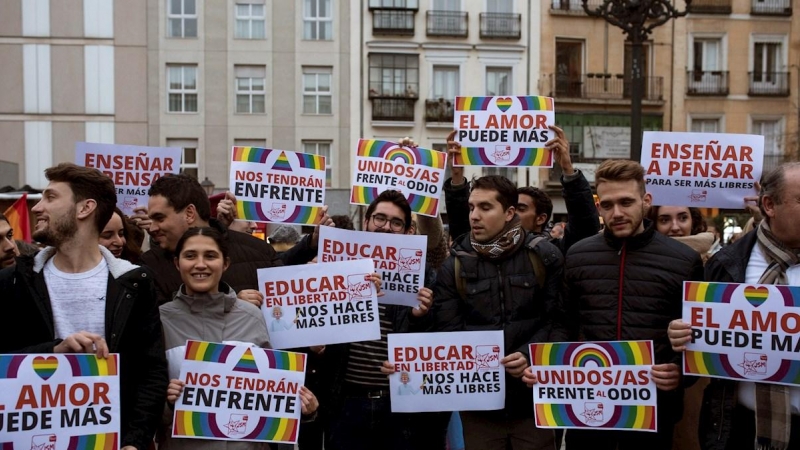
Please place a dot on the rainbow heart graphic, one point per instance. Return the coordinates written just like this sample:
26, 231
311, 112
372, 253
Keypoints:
503, 103
756, 295
45, 367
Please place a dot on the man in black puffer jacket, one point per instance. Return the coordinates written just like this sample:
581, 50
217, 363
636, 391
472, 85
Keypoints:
626, 284
500, 287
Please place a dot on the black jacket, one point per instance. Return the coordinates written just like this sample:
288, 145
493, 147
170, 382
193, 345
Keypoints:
504, 296
132, 329
728, 265
630, 289
582, 218
247, 254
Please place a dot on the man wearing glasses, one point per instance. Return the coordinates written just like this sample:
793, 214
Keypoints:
357, 406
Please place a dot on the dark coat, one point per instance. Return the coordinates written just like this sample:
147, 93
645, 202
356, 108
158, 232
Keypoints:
247, 255
631, 289
132, 329
504, 296
728, 265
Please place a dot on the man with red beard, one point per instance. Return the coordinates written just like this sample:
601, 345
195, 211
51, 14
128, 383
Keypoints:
8, 248
76, 297
626, 284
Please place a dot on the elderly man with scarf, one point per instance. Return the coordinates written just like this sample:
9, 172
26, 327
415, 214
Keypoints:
500, 277
746, 415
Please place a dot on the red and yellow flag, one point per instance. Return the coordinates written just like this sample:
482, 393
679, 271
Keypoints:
17, 215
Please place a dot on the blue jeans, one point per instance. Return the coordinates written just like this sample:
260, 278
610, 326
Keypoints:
367, 423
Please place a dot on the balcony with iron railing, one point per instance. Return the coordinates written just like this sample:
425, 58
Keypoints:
572, 7
447, 23
603, 86
768, 84
707, 82
711, 6
439, 111
393, 109
500, 26
771, 7
393, 21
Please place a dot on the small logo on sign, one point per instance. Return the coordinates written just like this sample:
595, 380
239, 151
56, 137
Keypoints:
43, 442
502, 153
487, 357
592, 413
129, 204
237, 424
698, 195
410, 260
754, 363
359, 287
278, 211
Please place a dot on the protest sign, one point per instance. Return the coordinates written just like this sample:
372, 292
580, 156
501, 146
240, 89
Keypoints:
504, 131
416, 172
455, 371
705, 170
59, 401
603, 385
239, 392
277, 185
132, 168
319, 304
399, 259
743, 331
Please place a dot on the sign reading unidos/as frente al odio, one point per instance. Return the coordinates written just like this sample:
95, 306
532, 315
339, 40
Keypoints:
132, 168
59, 402
743, 331
504, 131
319, 304
603, 385
399, 259
455, 371
239, 392
416, 172
277, 185
705, 170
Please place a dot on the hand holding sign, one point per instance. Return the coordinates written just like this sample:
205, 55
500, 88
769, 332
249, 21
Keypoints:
515, 364
322, 219
453, 150
666, 376
425, 297
528, 377
174, 390
560, 148
226, 209
83, 342
680, 333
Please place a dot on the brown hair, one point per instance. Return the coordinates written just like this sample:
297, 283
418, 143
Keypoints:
87, 183
506, 192
698, 222
182, 190
621, 170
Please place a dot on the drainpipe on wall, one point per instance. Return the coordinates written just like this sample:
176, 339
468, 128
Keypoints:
528, 82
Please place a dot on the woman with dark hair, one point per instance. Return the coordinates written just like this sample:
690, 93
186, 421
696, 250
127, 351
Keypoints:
206, 309
119, 238
684, 224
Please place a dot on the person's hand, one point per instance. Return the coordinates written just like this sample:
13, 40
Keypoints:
387, 368
251, 296
174, 390
425, 298
141, 219
309, 402
453, 149
515, 364
408, 142
528, 377
680, 334
322, 219
226, 209
318, 349
376, 280
666, 376
751, 204
83, 342
129, 447
559, 145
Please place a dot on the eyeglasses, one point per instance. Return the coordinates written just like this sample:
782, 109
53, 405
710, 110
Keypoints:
394, 224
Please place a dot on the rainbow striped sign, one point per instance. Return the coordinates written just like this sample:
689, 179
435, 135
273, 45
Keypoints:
416, 172
83, 412
266, 382
604, 385
504, 131
277, 185
743, 331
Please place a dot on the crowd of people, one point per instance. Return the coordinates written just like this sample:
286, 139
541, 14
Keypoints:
142, 285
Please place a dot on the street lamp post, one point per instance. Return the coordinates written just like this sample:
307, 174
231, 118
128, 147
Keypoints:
636, 18
208, 186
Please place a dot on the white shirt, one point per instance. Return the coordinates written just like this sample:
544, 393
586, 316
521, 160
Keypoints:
746, 390
78, 300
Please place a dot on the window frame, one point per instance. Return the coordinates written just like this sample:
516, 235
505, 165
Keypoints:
250, 18
317, 93
317, 21
183, 17
250, 93
329, 158
183, 91
499, 69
